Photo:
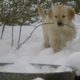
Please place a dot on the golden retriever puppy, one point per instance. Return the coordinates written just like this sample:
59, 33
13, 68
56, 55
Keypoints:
58, 27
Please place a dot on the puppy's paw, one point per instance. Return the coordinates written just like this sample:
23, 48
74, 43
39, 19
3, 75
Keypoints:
46, 45
55, 50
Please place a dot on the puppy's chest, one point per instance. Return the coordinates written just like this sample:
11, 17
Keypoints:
53, 28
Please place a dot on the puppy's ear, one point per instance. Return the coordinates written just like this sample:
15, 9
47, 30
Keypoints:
40, 11
71, 13
50, 14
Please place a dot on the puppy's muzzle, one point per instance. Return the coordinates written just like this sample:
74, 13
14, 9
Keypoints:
60, 23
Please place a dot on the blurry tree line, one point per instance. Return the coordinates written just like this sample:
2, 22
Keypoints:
25, 11
17, 11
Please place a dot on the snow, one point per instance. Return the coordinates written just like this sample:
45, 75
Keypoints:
38, 78
33, 51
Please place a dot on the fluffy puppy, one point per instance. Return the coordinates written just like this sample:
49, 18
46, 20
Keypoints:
58, 27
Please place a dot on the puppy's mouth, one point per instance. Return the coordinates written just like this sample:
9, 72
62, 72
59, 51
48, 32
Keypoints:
60, 24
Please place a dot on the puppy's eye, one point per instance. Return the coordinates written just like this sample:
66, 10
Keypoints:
63, 16
55, 16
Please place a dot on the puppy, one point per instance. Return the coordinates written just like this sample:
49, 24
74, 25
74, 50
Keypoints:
58, 27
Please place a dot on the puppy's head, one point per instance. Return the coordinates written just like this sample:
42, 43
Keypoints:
61, 14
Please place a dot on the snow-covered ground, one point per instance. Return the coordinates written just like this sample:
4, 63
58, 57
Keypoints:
34, 52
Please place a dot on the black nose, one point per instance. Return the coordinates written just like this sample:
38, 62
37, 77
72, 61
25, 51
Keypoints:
60, 23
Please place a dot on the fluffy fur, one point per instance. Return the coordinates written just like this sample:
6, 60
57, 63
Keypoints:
58, 27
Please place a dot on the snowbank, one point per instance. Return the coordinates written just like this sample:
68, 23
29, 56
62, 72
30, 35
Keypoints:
34, 52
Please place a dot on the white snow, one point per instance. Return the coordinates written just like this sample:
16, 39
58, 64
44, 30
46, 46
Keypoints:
38, 78
34, 52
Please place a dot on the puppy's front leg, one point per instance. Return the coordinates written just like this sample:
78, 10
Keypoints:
46, 40
57, 44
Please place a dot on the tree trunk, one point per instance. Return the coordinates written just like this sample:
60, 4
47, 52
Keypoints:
77, 6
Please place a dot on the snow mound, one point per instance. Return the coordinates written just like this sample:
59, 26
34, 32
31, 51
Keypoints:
34, 52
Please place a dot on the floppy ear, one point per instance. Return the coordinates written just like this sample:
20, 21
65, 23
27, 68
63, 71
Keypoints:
50, 14
71, 13
40, 11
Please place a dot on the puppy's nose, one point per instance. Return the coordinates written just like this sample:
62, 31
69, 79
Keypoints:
60, 23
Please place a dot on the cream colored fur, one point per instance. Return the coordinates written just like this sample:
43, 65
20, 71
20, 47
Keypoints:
56, 36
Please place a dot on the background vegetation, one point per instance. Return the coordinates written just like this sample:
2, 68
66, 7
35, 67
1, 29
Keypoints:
25, 11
